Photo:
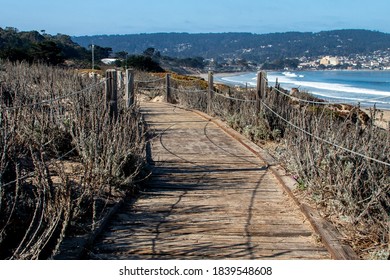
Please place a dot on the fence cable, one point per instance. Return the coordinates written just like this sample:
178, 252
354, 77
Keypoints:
189, 91
49, 101
233, 98
149, 81
151, 88
323, 140
184, 81
303, 100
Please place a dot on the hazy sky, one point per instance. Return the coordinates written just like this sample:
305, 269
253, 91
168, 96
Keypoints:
91, 17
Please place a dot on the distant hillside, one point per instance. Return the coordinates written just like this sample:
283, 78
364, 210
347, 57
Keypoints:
259, 48
35, 46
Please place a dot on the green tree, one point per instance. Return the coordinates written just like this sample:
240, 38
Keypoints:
149, 52
143, 63
47, 52
15, 54
121, 55
101, 52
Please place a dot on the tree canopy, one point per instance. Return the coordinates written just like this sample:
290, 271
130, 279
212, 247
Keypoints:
33, 47
143, 63
252, 47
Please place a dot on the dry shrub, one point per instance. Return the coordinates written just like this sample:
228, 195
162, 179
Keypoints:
352, 191
62, 159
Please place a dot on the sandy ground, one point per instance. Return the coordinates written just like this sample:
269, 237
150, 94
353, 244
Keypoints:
382, 118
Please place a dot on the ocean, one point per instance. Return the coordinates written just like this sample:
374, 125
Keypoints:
368, 88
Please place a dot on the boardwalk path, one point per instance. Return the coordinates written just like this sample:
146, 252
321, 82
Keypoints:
209, 198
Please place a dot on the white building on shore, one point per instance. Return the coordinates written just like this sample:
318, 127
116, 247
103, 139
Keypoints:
328, 60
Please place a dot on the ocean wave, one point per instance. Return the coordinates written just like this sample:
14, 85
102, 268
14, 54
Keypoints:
343, 88
351, 99
290, 74
335, 87
293, 75
240, 80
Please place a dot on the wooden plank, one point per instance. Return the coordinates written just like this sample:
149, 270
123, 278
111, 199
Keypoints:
330, 236
129, 88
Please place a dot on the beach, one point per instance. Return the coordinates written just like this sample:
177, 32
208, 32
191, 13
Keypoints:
382, 117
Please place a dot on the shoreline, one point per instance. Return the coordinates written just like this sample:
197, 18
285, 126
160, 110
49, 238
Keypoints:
228, 74
382, 118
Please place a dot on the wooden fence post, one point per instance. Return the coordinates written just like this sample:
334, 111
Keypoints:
129, 88
120, 79
210, 92
168, 98
265, 85
112, 92
261, 89
277, 85
258, 93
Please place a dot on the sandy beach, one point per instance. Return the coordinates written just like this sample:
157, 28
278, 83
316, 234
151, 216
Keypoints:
382, 118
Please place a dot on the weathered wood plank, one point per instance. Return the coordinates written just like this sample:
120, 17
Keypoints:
332, 239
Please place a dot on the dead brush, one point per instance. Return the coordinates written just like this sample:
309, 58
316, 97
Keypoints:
63, 161
349, 188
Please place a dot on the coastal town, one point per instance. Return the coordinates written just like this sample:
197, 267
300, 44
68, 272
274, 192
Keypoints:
377, 60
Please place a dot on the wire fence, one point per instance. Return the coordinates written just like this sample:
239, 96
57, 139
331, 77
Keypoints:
293, 98
50, 101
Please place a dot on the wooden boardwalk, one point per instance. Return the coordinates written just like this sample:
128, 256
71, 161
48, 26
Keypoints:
209, 198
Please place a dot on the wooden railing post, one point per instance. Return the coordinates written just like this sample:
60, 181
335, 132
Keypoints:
210, 92
112, 92
129, 88
277, 85
168, 98
120, 79
260, 89
264, 85
258, 93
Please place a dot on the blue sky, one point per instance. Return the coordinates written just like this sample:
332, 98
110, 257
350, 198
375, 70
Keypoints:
91, 17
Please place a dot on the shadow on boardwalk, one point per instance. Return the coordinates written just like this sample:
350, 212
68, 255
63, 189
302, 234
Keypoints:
209, 198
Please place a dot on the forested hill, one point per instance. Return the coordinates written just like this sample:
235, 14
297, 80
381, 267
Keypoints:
246, 45
36, 46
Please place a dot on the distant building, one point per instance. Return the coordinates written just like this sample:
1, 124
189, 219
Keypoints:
109, 61
375, 64
329, 61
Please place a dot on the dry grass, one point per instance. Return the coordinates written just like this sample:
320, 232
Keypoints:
351, 191
62, 162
